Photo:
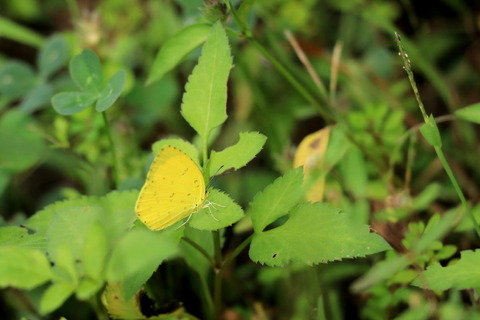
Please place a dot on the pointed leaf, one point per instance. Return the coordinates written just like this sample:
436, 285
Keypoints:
238, 155
176, 48
23, 268
68, 103
55, 296
219, 211
94, 251
276, 199
205, 99
315, 233
464, 274
430, 132
86, 71
470, 113
111, 92
20, 33
140, 249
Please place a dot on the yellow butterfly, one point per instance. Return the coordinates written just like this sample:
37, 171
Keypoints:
174, 189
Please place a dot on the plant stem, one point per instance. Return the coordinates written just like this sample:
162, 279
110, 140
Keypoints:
237, 251
217, 269
438, 149
199, 249
112, 150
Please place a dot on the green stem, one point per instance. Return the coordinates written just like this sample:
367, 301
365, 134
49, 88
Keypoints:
217, 269
408, 69
199, 249
237, 251
112, 150
457, 188
208, 297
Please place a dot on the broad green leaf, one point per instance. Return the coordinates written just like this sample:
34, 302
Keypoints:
52, 56
65, 268
276, 199
18, 236
315, 233
36, 98
111, 92
238, 155
140, 249
16, 79
20, 145
430, 132
469, 113
17, 32
70, 226
68, 103
205, 98
176, 48
94, 251
55, 296
87, 287
115, 213
219, 211
464, 274
86, 71
131, 284
23, 268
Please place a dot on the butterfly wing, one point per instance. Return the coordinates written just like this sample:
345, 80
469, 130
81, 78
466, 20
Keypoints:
173, 190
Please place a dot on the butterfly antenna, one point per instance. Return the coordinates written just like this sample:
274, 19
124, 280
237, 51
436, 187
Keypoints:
184, 222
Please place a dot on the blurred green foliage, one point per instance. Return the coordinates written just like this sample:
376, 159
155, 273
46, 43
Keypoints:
383, 172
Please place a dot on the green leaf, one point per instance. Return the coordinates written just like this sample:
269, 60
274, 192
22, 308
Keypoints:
355, 172
86, 71
17, 32
16, 79
111, 92
69, 226
94, 251
55, 296
469, 113
21, 146
276, 199
115, 212
65, 267
238, 155
18, 236
52, 56
140, 249
68, 103
88, 287
315, 233
132, 283
430, 132
23, 268
464, 274
219, 211
176, 48
205, 98
36, 98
